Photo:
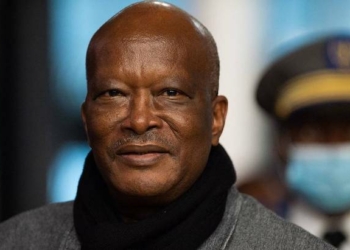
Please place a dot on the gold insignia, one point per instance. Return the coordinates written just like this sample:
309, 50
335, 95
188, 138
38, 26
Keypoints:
339, 53
343, 54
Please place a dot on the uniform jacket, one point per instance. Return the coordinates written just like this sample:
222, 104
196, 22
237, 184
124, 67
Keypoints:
246, 225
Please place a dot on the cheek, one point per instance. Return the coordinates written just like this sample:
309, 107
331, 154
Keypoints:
101, 123
191, 128
194, 145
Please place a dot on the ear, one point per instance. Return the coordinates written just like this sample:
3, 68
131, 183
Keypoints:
219, 108
83, 117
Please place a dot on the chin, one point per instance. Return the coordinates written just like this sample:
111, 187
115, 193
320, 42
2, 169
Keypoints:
147, 185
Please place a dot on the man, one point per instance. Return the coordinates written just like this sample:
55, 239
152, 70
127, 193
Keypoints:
307, 92
156, 177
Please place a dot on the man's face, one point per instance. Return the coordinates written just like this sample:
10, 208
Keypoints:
314, 130
148, 118
317, 162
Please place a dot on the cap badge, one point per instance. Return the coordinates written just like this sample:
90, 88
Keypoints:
338, 53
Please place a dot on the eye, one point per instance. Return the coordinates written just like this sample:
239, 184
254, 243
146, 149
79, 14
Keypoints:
171, 92
109, 94
112, 92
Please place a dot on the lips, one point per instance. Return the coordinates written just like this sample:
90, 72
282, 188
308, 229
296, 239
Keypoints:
141, 155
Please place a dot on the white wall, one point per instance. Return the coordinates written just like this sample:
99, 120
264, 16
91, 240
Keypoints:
237, 27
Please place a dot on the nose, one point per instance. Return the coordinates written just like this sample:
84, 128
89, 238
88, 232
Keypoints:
142, 115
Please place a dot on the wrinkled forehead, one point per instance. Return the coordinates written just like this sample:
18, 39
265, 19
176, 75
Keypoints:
140, 43
138, 48
136, 57
174, 33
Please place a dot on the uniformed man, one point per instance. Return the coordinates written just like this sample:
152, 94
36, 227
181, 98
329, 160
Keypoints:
307, 92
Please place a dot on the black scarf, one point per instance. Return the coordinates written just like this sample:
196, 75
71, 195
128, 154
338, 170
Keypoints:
184, 224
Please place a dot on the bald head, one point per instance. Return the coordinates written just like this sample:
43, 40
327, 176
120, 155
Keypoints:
162, 23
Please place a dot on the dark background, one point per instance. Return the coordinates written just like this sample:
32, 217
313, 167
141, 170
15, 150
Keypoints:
26, 117
32, 126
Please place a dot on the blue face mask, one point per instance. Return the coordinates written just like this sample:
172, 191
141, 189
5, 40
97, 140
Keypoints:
321, 175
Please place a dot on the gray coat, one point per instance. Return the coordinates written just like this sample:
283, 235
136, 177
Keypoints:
246, 225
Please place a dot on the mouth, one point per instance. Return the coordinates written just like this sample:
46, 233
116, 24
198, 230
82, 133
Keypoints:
141, 155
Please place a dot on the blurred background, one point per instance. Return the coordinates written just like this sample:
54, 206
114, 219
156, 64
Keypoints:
42, 76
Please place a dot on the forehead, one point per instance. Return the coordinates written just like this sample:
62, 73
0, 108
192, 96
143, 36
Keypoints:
133, 57
139, 50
